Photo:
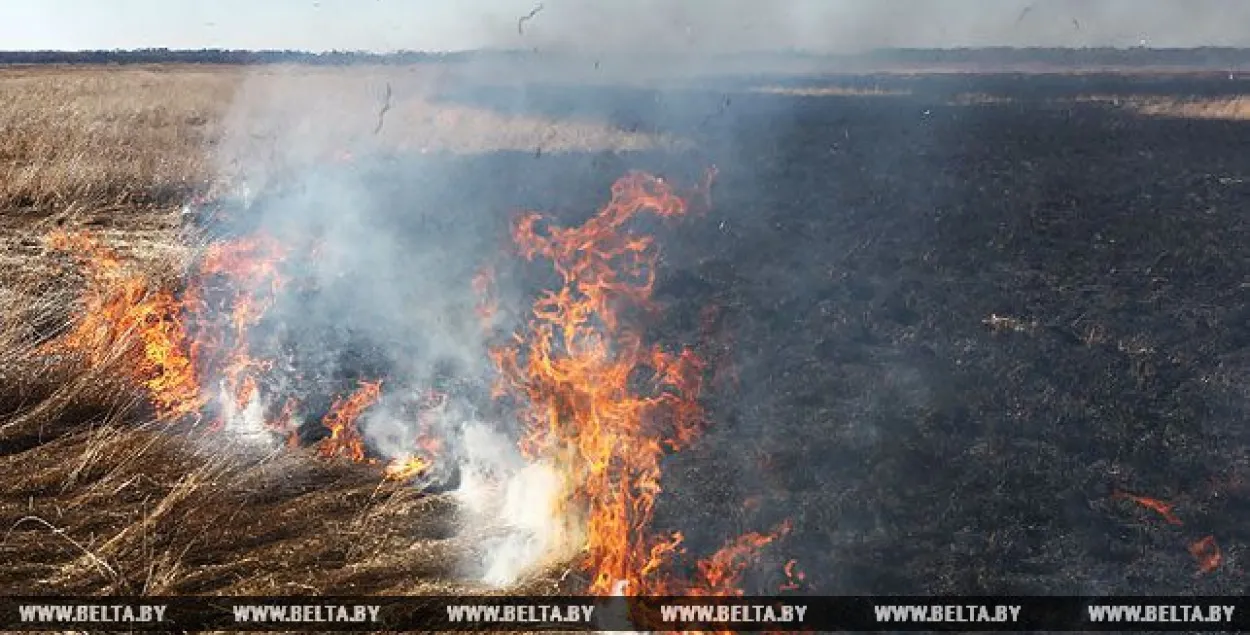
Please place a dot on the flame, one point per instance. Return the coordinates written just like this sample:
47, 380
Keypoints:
404, 468
795, 577
285, 424
250, 268
1205, 550
1207, 553
578, 374
170, 342
722, 572
428, 446
341, 422
124, 315
1164, 509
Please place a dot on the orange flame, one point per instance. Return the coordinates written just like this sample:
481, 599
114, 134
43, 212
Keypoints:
1164, 509
124, 315
722, 572
428, 447
285, 424
578, 373
795, 577
341, 422
405, 468
150, 328
251, 266
1207, 553
127, 316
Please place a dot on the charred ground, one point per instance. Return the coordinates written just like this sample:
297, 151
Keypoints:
957, 330
949, 318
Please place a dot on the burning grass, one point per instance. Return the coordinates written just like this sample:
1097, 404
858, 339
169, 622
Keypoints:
101, 333
572, 373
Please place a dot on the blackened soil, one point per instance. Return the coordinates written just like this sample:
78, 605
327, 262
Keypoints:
959, 330
947, 335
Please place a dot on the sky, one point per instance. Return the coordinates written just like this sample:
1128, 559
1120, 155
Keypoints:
720, 25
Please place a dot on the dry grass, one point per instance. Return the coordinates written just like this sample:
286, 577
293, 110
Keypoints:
831, 91
1225, 108
1232, 108
120, 138
96, 500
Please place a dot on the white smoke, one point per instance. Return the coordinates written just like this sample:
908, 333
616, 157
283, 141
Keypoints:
247, 423
513, 504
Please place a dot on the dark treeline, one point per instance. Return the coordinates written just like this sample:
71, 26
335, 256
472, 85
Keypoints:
1199, 57
221, 56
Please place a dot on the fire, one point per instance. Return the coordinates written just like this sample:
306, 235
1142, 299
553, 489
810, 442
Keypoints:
169, 342
487, 307
722, 572
428, 446
124, 315
404, 468
598, 402
1204, 550
345, 438
1207, 553
249, 267
1164, 509
285, 424
795, 577
578, 373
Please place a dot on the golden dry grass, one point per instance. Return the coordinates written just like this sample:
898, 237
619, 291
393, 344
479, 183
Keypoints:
1223, 108
1227, 108
831, 91
118, 138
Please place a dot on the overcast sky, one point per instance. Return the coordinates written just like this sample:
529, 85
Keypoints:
817, 25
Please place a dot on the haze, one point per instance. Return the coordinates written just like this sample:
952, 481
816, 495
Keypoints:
644, 25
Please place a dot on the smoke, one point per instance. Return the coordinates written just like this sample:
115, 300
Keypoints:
644, 27
393, 229
515, 505
387, 245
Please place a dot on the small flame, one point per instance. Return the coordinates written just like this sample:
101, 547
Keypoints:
722, 572
285, 424
1164, 509
795, 577
345, 438
405, 468
483, 285
1207, 553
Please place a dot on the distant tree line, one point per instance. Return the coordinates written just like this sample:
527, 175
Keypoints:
1204, 57
221, 56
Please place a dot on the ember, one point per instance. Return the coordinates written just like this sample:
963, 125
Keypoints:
1207, 553
1158, 506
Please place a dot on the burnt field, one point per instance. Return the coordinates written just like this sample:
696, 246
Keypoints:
961, 332
967, 333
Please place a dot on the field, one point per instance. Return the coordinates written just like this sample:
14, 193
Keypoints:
955, 322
